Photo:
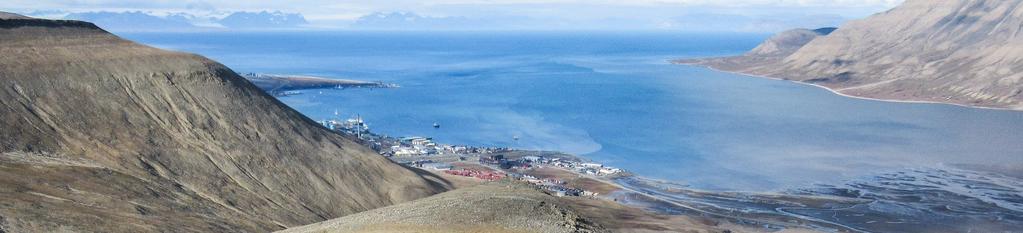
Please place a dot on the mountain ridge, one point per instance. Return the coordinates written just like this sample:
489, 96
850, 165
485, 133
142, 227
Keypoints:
472, 209
963, 52
104, 134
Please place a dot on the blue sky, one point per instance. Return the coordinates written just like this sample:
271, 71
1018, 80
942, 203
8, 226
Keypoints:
728, 15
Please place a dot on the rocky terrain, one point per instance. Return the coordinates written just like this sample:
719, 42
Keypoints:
508, 207
100, 134
522, 209
965, 52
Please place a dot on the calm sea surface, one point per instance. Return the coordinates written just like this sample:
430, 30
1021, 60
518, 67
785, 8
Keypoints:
613, 98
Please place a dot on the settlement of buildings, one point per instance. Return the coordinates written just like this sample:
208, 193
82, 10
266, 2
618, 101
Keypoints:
417, 151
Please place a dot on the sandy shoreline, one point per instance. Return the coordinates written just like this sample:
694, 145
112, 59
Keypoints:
615, 200
836, 92
664, 203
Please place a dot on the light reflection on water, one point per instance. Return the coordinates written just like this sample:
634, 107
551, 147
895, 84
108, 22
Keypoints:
614, 99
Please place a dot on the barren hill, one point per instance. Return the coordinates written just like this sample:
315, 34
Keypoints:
496, 207
6, 15
788, 42
768, 53
966, 52
100, 134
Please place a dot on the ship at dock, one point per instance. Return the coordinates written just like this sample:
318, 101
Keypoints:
351, 126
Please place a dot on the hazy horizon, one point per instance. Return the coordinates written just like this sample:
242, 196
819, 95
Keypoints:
667, 15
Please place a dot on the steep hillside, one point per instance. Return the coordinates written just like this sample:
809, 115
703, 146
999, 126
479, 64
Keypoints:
100, 134
495, 207
768, 53
788, 42
966, 52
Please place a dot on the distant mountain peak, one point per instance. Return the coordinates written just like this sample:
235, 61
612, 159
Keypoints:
131, 21
181, 21
825, 30
414, 21
787, 42
263, 19
8, 15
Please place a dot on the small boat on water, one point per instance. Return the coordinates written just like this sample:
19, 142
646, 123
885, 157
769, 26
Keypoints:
516, 138
436, 125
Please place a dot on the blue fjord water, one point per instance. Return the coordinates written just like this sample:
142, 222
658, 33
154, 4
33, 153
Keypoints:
613, 98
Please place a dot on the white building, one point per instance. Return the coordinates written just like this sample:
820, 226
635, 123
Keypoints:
406, 151
592, 165
533, 159
609, 171
418, 141
437, 166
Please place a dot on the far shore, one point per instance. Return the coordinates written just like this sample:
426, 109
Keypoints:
849, 95
280, 83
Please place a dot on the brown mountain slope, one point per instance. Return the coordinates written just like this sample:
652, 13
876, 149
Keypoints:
768, 53
6, 15
787, 42
966, 52
100, 134
503, 207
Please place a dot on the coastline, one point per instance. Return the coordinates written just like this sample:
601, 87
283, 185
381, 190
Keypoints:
836, 92
797, 209
281, 83
652, 201
705, 203
662, 198
574, 178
